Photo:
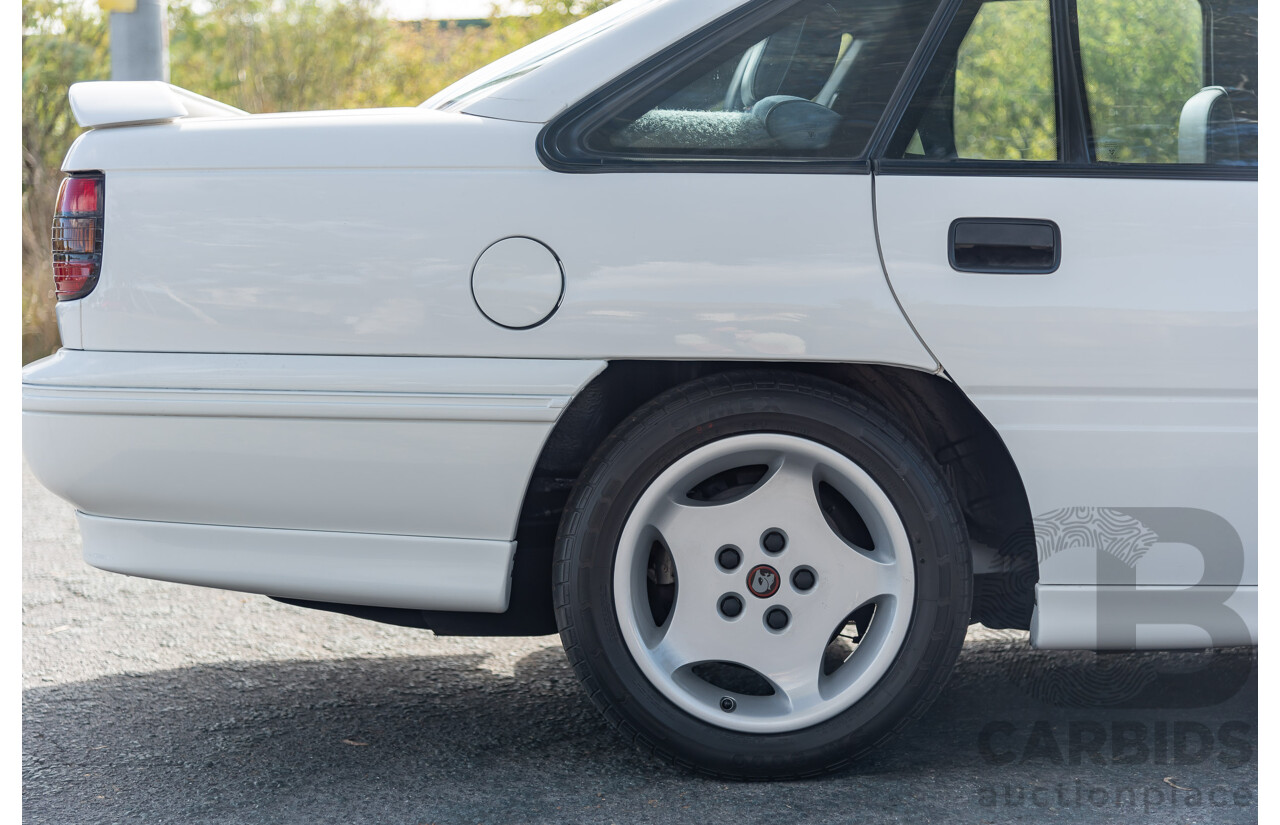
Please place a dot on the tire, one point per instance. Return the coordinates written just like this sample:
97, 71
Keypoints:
759, 576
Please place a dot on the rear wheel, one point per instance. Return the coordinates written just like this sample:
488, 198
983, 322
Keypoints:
759, 575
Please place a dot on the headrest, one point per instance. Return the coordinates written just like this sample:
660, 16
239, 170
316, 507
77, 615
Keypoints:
798, 59
1219, 126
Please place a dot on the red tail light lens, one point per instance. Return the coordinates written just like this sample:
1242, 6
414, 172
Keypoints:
77, 236
79, 195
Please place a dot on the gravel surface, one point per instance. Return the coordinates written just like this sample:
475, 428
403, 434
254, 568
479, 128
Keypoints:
147, 702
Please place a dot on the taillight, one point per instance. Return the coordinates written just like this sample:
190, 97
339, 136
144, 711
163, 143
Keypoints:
77, 236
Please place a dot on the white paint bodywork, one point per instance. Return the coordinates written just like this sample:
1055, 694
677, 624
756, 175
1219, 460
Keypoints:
517, 283
1111, 617
355, 233
415, 447
1122, 380
283, 370
348, 568
68, 313
128, 102
395, 466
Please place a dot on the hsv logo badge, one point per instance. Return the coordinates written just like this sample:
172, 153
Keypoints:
762, 581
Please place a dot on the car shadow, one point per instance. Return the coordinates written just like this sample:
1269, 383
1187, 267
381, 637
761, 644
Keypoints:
448, 738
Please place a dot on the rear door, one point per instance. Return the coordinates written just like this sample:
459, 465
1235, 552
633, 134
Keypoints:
1067, 211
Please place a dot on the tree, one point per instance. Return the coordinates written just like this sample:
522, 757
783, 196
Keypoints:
277, 55
62, 42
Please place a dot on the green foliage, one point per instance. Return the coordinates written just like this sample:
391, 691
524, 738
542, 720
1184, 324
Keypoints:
1135, 104
1142, 61
1004, 107
422, 60
61, 44
299, 55
277, 56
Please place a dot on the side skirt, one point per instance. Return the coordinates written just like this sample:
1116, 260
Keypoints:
417, 572
1144, 617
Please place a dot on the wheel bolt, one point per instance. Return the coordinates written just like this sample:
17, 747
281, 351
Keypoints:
729, 558
774, 541
803, 579
776, 618
728, 705
731, 606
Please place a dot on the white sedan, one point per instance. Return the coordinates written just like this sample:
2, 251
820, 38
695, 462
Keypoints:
758, 348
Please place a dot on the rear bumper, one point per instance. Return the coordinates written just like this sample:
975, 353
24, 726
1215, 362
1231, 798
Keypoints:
358, 479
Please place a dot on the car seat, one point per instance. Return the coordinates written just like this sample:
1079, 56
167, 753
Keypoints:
1219, 127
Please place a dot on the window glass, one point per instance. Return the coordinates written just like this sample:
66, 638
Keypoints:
811, 83
1143, 60
1171, 81
1004, 106
990, 95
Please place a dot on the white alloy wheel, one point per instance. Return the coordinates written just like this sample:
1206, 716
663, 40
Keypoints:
764, 582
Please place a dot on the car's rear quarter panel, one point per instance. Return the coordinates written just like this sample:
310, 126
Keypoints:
371, 253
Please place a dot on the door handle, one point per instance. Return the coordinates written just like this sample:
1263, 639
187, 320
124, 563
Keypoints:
1007, 246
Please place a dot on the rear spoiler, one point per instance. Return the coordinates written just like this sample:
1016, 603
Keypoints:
134, 102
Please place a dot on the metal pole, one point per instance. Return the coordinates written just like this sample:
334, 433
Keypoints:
140, 42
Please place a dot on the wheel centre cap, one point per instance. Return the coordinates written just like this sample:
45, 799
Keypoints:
763, 581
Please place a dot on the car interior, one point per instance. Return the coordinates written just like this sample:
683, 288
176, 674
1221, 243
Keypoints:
815, 85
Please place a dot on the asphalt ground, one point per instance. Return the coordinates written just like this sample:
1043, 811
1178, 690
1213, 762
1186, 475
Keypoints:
148, 702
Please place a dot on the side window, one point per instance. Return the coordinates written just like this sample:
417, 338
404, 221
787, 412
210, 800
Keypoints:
990, 94
1159, 93
1143, 61
1004, 106
811, 82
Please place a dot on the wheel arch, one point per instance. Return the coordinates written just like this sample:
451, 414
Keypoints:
971, 454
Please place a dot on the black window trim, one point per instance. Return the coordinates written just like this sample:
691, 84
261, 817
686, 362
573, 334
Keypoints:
911, 79
560, 145
1075, 137
1058, 169
891, 139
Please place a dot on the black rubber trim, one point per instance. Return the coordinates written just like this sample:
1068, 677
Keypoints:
442, 622
934, 35
1053, 169
737, 166
560, 146
1074, 145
